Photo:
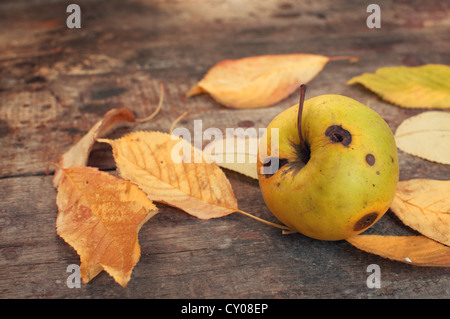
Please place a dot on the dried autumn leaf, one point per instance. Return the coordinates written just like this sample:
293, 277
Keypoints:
100, 216
78, 154
426, 135
259, 81
426, 86
154, 161
238, 154
414, 250
424, 205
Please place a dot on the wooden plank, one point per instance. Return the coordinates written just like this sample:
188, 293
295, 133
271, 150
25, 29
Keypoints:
66, 76
55, 83
184, 257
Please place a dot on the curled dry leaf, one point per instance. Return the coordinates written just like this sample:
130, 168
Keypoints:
425, 86
414, 250
424, 205
78, 154
260, 81
238, 154
426, 135
172, 171
100, 216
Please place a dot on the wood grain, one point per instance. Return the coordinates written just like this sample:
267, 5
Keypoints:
55, 83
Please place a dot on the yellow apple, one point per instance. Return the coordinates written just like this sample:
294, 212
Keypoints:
334, 169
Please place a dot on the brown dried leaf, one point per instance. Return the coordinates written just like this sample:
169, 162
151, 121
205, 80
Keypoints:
78, 154
100, 216
424, 205
260, 81
414, 250
197, 187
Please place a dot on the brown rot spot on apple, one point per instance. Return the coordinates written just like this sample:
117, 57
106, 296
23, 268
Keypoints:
370, 159
337, 134
272, 164
365, 221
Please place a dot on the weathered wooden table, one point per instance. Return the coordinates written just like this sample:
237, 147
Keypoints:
56, 82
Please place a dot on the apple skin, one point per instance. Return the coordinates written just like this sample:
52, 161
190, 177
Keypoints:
348, 182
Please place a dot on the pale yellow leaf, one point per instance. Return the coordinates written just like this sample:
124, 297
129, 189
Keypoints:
426, 135
238, 154
426, 86
172, 171
260, 81
424, 205
414, 250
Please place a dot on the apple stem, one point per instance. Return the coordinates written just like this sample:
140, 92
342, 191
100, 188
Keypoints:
304, 150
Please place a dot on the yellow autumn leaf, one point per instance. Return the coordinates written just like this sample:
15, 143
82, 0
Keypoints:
238, 154
174, 172
100, 216
426, 135
426, 86
260, 81
414, 250
424, 205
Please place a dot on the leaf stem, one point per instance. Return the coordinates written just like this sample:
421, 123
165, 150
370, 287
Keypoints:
58, 165
176, 121
265, 221
161, 100
352, 59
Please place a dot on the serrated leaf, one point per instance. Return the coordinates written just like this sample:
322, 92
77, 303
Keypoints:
424, 205
154, 161
413, 250
259, 81
426, 86
426, 135
100, 216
